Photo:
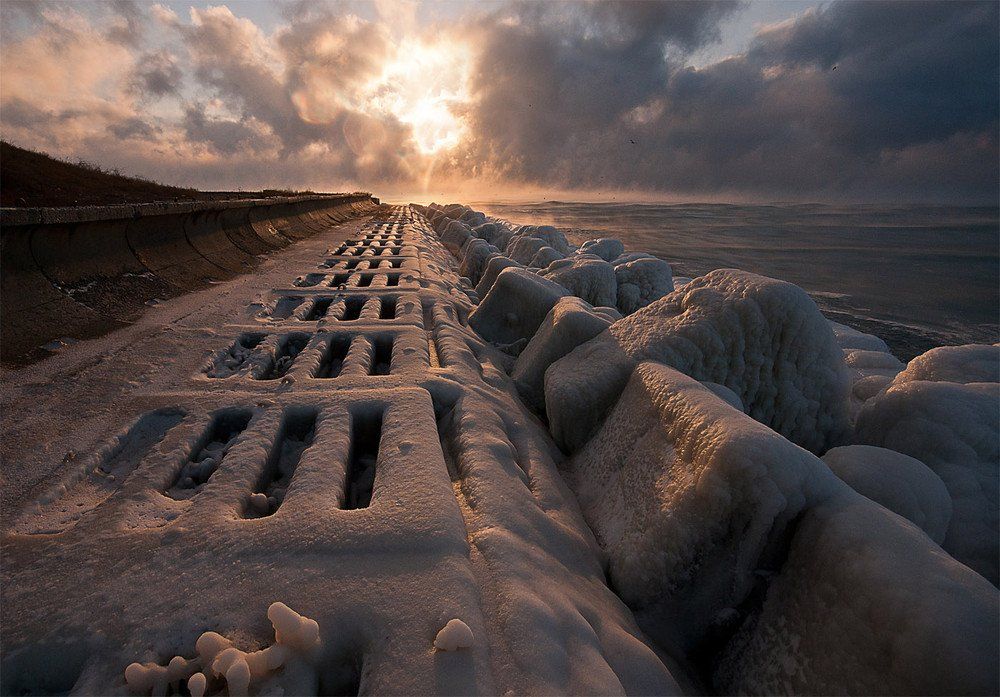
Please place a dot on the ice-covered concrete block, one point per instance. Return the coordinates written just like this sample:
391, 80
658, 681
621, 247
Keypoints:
899, 482
548, 234
688, 497
455, 235
523, 249
494, 266
515, 307
954, 430
570, 323
475, 257
606, 248
587, 277
865, 604
641, 281
762, 338
962, 364
543, 257
496, 234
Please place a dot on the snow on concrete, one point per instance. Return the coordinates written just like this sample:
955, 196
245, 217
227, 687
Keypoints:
515, 307
953, 429
763, 338
493, 268
641, 281
454, 636
899, 482
585, 276
569, 323
961, 364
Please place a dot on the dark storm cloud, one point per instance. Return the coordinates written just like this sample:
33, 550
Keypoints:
838, 101
132, 128
157, 74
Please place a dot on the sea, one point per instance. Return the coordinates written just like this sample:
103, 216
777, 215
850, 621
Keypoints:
917, 276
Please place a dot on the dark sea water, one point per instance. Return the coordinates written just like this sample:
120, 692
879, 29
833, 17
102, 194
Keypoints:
917, 276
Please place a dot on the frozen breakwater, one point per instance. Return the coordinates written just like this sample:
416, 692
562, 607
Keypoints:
429, 452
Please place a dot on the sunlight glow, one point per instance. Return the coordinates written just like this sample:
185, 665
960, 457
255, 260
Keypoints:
423, 86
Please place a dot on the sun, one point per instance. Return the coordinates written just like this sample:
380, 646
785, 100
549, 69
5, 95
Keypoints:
423, 85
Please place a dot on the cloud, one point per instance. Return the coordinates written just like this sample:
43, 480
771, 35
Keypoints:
851, 100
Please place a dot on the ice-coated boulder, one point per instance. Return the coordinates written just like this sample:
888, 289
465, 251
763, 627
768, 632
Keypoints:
472, 218
543, 257
871, 372
496, 234
515, 307
585, 276
523, 249
606, 248
962, 364
717, 529
899, 482
641, 281
724, 393
494, 266
866, 604
475, 257
570, 323
454, 236
850, 338
952, 428
762, 338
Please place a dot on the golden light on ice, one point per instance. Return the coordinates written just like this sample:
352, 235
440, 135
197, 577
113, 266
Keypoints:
422, 86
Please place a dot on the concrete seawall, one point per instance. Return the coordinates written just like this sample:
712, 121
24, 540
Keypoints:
80, 272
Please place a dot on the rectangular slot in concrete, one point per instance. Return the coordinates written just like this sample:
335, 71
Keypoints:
333, 357
352, 308
236, 357
284, 308
387, 307
366, 435
208, 452
295, 435
392, 280
288, 350
381, 355
319, 309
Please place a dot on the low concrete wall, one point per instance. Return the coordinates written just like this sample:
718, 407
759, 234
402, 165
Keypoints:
81, 272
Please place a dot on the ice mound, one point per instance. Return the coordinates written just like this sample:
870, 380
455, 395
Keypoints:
570, 323
495, 233
543, 257
515, 307
899, 482
641, 281
962, 364
493, 268
850, 338
719, 532
454, 636
762, 338
866, 604
953, 429
724, 393
220, 663
587, 277
606, 248
455, 235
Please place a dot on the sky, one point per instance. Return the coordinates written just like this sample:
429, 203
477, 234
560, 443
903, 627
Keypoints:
707, 101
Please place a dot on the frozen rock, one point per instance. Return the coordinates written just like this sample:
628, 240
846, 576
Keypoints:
610, 313
496, 234
606, 248
472, 218
953, 429
543, 257
724, 393
899, 482
570, 323
641, 281
515, 307
587, 277
454, 636
865, 604
475, 257
493, 268
687, 497
762, 338
548, 234
962, 364
523, 249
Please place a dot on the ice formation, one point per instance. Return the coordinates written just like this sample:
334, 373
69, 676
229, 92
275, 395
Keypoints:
899, 482
720, 531
961, 364
543, 257
587, 277
515, 307
952, 428
762, 338
641, 280
570, 323
220, 662
606, 248
454, 636
493, 268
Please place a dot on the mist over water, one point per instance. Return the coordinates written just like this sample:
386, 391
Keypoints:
917, 276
